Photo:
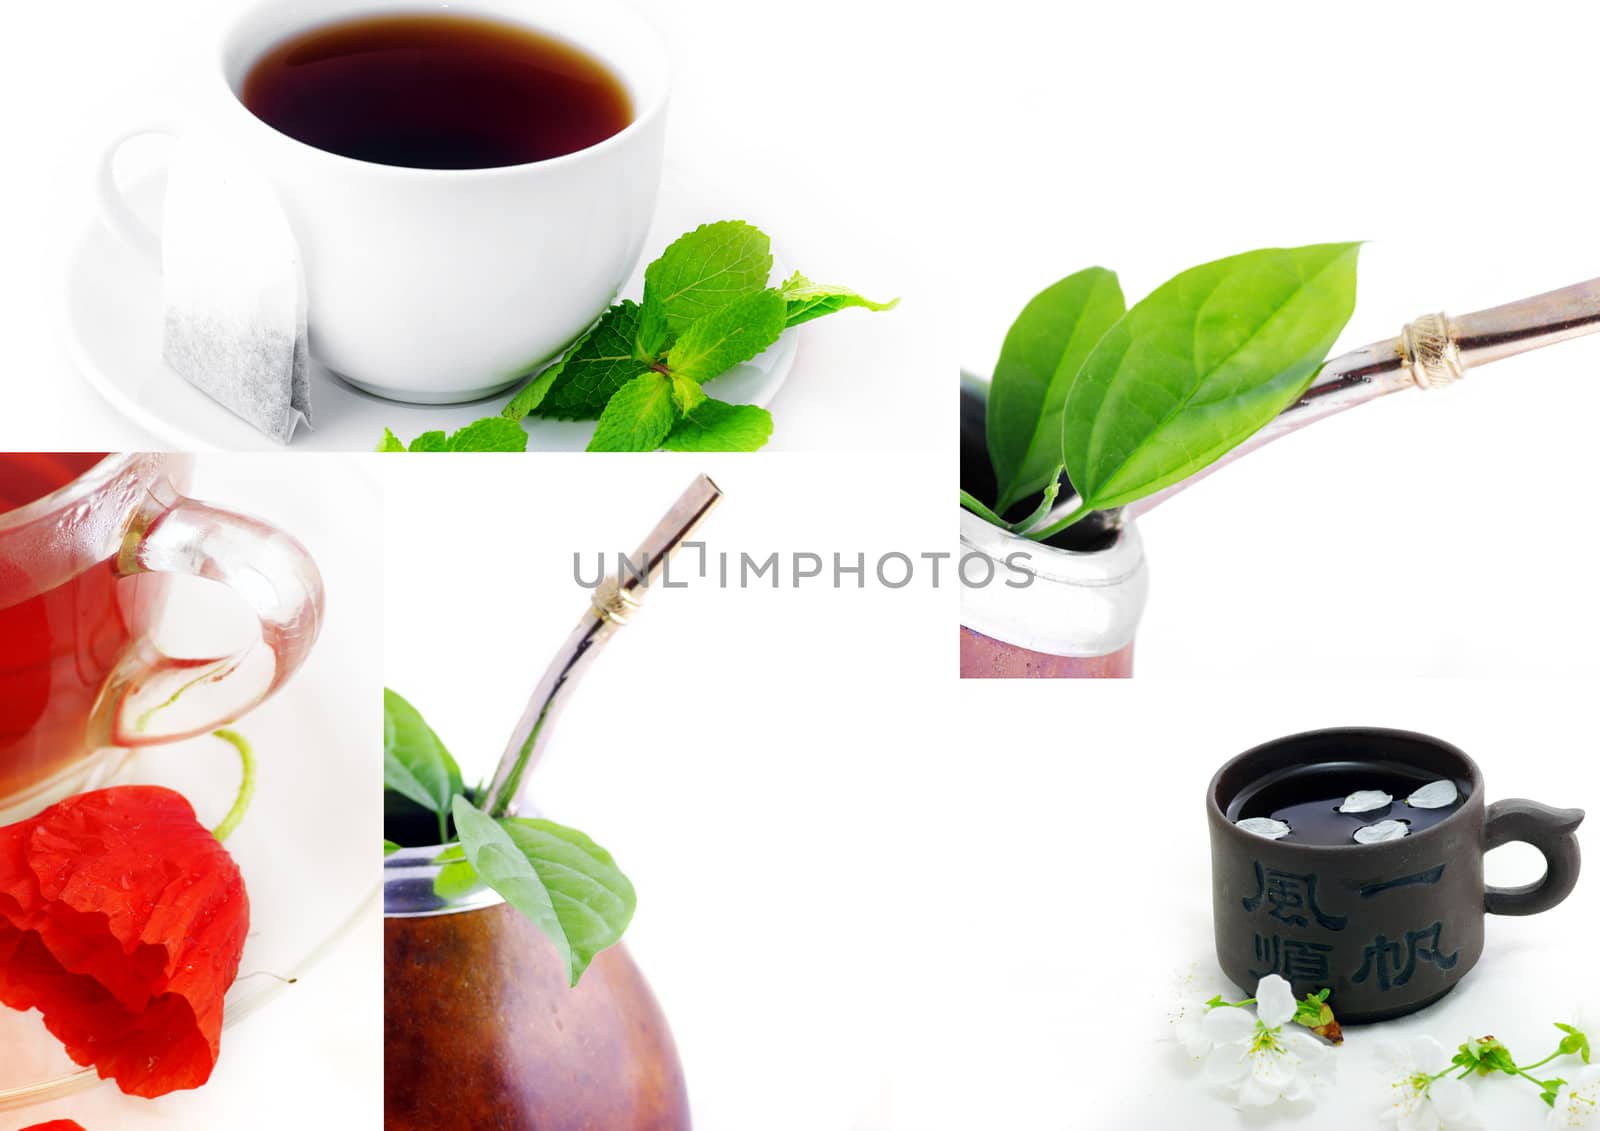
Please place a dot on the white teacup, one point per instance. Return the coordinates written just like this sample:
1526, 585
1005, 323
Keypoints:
433, 285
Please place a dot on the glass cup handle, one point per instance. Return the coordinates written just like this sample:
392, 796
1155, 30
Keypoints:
152, 697
1553, 833
114, 203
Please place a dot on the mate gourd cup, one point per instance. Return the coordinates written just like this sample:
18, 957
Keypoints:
1389, 927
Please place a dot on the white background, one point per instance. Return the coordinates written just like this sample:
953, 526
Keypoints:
1423, 534
797, 118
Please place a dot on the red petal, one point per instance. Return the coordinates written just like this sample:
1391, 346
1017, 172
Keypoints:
55, 1125
122, 920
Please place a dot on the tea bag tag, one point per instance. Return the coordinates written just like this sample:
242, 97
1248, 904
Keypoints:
233, 290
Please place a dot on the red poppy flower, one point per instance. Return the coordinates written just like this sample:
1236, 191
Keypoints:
55, 1125
122, 920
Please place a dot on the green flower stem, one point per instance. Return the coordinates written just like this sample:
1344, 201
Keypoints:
1042, 509
247, 785
1539, 1063
983, 512
1056, 528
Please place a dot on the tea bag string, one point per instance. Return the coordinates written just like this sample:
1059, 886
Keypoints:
612, 605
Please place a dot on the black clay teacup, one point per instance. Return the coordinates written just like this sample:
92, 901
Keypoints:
1389, 927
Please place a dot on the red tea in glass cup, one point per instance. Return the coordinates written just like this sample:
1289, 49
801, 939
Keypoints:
84, 540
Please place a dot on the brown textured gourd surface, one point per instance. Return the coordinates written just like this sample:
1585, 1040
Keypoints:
481, 1031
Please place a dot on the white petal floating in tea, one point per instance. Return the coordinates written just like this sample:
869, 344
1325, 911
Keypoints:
1365, 801
1434, 795
1382, 831
1265, 826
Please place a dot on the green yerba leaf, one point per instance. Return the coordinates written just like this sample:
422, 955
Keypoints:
415, 763
602, 363
568, 886
1200, 365
491, 434
390, 847
501, 865
716, 426
390, 443
706, 269
592, 898
808, 300
638, 417
1042, 353
715, 343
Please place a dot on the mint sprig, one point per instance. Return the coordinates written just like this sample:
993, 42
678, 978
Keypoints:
566, 884
492, 434
708, 306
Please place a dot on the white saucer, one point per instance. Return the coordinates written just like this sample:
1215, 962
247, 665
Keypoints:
308, 844
112, 332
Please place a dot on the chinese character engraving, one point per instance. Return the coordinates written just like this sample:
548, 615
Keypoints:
1431, 876
1392, 962
1292, 959
1290, 897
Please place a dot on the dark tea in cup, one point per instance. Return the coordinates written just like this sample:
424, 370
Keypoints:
431, 91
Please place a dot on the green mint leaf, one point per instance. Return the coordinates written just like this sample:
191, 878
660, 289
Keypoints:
390, 443
601, 364
593, 899
686, 394
715, 343
808, 300
491, 434
532, 395
704, 270
1200, 365
415, 763
568, 886
430, 442
638, 417
652, 336
716, 426
1041, 355
390, 847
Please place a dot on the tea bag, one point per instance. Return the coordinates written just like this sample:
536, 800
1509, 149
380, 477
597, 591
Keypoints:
234, 294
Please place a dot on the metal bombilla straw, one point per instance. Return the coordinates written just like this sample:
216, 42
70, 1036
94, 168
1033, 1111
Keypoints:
611, 606
1433, 351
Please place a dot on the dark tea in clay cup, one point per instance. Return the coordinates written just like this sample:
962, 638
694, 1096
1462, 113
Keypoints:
482, 1030
1389, 927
